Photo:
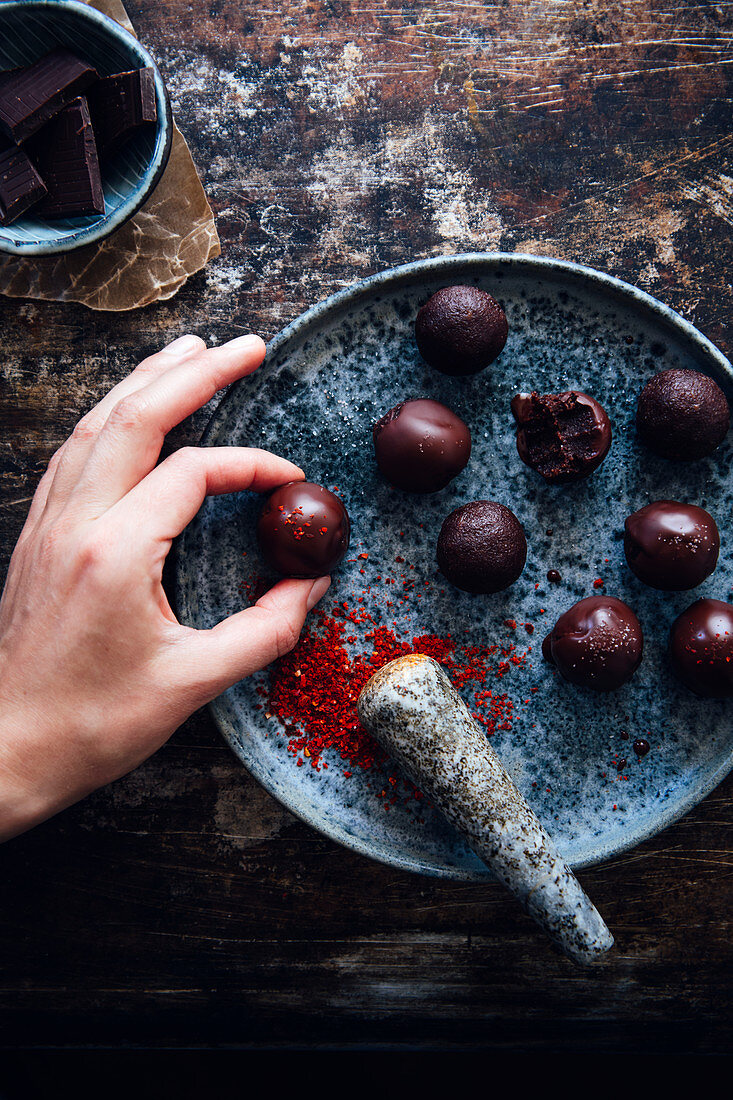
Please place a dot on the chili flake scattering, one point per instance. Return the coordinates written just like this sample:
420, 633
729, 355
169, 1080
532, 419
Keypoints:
310, 694
313, 690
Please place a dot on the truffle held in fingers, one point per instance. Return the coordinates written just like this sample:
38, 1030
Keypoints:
303, 530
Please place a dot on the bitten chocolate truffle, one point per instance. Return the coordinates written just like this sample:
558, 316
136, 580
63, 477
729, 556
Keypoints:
482, 547
461, 330
597, 643
671, 546
682, 414
421, 446
701, 648
303, 530
563, 436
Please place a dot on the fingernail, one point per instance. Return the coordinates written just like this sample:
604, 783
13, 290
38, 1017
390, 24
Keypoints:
182, 345
318, 591
244, 343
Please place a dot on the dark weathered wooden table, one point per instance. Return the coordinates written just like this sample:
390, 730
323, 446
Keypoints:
182, 906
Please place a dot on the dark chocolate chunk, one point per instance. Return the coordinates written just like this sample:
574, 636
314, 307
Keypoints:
120, 105
5, 142
8, 74
20, 185
563, 436
30, 97
68, 162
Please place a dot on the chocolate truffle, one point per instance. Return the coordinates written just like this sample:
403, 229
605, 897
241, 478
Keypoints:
670, 545
303, 530
563, 436
421, 445
482, 547
682, 414
701, 648
596, 643
460, 330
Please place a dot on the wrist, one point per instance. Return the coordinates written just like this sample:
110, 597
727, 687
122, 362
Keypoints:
28, 793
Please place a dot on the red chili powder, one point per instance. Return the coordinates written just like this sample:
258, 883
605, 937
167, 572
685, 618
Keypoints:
313, 690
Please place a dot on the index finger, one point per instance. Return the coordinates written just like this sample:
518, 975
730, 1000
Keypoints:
170, 496
68, 461
128, 446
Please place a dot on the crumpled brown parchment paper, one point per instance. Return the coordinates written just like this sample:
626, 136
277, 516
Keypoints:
146, 260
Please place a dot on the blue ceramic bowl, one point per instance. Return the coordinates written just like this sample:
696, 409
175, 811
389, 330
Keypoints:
29, 29
328, 376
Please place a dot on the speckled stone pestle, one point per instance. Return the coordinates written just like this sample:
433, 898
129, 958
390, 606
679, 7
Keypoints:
413, 710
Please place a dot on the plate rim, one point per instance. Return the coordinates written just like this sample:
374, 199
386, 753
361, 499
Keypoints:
218, 707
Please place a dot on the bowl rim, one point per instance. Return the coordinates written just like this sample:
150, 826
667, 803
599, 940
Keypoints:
108, 223
469, 263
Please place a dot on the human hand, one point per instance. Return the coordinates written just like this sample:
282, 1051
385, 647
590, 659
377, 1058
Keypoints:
95, 670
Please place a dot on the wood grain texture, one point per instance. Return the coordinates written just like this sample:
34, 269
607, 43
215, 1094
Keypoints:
182, 906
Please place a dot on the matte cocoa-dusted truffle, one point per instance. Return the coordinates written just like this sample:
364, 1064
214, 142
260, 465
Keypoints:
482, 547
563, 436
597, 643
671, 546
303, 530
421, 445
701, 648
682, 414
461, 330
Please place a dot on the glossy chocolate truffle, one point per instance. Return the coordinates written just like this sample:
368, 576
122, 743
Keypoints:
682, 414
701, 648
421, 445
303, 530
596, 643
670, 545
460, 330
482, 547
563, 436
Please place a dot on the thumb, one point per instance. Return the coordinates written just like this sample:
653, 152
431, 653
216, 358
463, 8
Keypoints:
253, 638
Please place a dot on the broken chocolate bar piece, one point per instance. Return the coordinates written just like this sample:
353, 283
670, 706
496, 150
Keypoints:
6, 75
67, 160
120, 105
20, 185
31, 96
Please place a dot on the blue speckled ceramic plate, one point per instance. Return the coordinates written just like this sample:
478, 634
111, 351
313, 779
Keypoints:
328, 377
29, 29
